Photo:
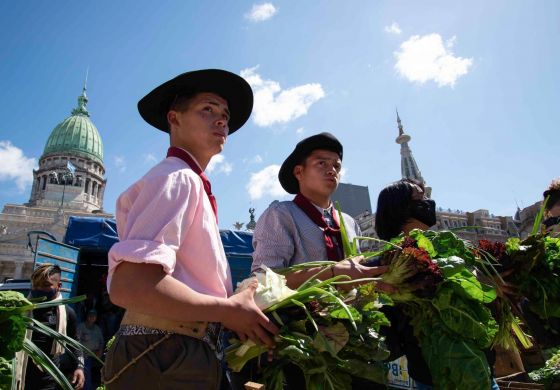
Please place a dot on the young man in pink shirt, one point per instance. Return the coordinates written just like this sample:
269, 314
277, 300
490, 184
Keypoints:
169, 270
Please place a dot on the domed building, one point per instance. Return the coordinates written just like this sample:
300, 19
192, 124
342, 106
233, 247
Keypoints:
70, 181
71, 170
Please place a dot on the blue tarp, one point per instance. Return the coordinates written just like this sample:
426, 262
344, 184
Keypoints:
238, 247
91, 232
237, 242
101, 233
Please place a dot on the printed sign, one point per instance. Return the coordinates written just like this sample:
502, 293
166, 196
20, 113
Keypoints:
65, 256
398, 374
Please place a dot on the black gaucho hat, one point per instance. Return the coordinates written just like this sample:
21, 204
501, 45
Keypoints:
325, 141
233, 88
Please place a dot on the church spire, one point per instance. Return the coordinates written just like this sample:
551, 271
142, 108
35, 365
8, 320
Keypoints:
409, 168
401, 131
81, 109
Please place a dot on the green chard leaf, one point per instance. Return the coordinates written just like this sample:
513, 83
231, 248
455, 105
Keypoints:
336, 336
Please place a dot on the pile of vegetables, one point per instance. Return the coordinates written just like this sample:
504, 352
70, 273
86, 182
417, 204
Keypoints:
532, 265
14, 323
435, 274
330, 335
550, 373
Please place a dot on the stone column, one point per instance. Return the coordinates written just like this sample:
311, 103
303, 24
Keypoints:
18, 269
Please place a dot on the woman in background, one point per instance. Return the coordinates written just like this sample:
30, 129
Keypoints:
402, 207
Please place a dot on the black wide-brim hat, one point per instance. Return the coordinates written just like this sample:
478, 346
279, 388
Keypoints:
304, 148
233, 88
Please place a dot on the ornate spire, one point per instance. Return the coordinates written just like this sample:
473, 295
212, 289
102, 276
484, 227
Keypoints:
409, 168
82, 100
401, 131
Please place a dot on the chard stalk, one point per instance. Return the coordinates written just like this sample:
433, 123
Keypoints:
349, 249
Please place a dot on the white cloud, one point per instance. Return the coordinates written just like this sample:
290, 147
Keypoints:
300, 131
15, 166
261, 12
424, 58
274, 105
120, 163
150, 159
219, 164
393, 28
265, 182
253, 160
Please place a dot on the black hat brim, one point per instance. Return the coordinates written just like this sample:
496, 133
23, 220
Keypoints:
233, 88
303, 149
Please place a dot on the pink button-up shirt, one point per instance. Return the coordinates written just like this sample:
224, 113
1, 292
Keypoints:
166, 218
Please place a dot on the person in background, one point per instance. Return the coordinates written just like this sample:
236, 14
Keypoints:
307, 228
552, 209
89, 334
46, 283
402, 207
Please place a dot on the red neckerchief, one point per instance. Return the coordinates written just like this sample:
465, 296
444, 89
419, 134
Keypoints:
186, 157
332, 235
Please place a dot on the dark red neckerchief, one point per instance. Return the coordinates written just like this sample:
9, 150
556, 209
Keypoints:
332, 235
186, 157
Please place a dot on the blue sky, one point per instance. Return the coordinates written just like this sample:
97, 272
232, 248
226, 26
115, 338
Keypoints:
476, 84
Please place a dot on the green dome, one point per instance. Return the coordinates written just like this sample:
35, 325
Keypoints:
76, 135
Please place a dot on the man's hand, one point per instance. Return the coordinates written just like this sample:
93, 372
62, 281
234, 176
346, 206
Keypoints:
352, 267
355, 270
247, 320
78, 378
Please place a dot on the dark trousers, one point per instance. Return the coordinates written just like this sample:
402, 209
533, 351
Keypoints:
178, 363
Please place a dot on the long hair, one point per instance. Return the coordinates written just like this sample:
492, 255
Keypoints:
393, 208
40, 277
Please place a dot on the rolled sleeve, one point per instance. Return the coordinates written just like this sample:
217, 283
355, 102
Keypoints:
142, 251
153, 216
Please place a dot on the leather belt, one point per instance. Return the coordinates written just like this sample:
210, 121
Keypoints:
196, 329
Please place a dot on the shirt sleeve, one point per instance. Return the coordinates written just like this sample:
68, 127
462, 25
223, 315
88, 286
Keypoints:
273, 240
152, 217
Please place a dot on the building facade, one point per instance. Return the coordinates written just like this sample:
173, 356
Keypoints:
353, 199
70, 180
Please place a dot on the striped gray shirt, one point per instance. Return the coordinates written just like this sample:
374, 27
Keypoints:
285, 236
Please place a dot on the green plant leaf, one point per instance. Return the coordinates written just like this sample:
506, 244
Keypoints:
37, 326
423, 242
43, 361
336, 336
349, 249
342, 314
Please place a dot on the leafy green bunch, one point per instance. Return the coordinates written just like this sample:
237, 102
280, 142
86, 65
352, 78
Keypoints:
411, 271
550, 373
536, 269
329, 335
453, 323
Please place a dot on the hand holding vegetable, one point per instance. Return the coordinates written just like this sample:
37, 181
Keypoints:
247, 320
353, 268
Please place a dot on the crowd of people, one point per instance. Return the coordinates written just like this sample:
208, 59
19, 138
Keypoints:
169, 270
